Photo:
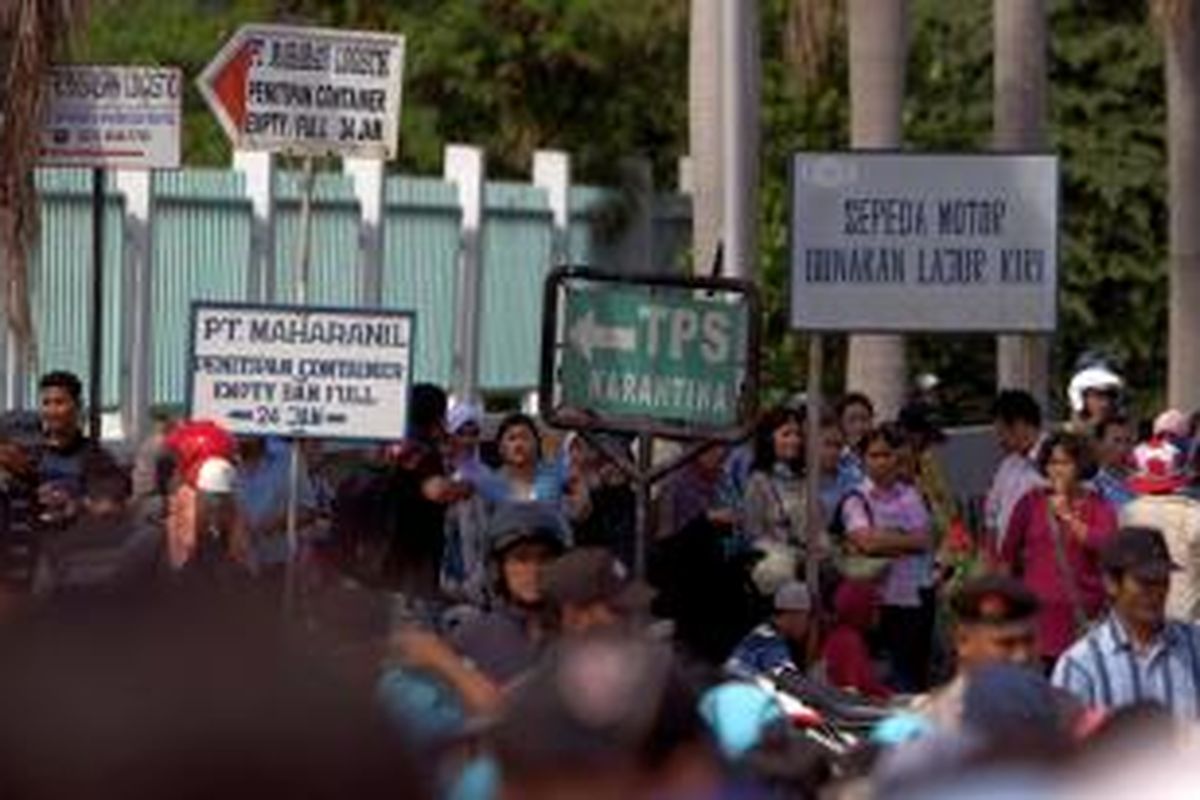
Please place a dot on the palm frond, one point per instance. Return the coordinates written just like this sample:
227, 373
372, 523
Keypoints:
32, 34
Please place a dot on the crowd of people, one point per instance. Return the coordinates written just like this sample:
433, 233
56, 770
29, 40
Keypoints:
478, 584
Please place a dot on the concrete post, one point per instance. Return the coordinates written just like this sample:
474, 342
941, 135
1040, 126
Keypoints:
368, 175
259, 171
739, 136
464, 168
704, 131
635, 248
136, 377
552, 172
1019, 124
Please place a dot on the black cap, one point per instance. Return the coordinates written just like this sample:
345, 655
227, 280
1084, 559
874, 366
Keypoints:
592, 575
595, 700
514, 523
993, 600
921, 419
1141, 552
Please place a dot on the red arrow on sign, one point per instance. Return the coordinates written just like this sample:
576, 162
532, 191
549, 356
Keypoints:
229, 85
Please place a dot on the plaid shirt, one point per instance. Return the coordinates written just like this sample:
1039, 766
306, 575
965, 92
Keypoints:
1103, 668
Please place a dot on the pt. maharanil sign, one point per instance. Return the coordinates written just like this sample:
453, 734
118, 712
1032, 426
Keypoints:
301, 371
913, 242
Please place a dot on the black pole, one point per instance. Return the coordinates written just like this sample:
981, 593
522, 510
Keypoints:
95, 371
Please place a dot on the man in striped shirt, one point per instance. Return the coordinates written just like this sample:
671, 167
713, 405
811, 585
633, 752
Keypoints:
1136, 654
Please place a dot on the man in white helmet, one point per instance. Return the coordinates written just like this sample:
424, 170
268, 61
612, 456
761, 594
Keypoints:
1095, 394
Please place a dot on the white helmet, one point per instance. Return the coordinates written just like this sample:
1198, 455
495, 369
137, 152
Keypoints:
217, 476
1092, 379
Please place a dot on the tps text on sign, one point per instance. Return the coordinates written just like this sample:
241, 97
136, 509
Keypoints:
913, 242
301, 372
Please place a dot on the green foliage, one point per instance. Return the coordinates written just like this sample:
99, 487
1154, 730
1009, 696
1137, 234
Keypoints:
608, 78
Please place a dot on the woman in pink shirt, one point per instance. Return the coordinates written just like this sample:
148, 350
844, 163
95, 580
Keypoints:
1053, 544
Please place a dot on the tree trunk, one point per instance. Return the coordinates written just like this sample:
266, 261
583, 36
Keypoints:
1019, 70
1182, 52
878, 54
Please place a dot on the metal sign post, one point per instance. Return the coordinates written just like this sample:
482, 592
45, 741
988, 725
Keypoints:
652, 356
303, 257
812, 457
96, 367
100, 116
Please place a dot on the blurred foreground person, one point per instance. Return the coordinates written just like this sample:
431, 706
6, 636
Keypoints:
994, 624
1136, 653
589, 589
605, 717
188, 698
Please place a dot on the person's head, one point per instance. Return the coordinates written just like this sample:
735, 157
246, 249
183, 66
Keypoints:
881, 449
856, 415
464, 424
523, 538
1159, 467
779, 439
590, 590
1065, 460
1095, 393
518, 441
605, 716
1137, 574
1114, 442
920, 426
251, 449
427, 412
994, 623
833, 442
712, 460
60, 397
1018, 420
792, 612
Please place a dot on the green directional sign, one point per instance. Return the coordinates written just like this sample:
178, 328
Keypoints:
665, 353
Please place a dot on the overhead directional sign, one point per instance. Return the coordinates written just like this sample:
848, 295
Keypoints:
919, 242
112, 117
308, 91
301, 372
661, 354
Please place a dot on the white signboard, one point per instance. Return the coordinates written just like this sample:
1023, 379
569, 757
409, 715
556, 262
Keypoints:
112, 117
308, 91
906, 242
301, 371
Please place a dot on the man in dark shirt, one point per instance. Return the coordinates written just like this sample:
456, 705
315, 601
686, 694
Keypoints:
422, 491
76, 486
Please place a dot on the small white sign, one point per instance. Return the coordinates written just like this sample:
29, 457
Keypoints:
112, 117
301, 371
308, 91
892, 242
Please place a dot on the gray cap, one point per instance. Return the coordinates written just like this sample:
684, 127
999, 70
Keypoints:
518, 522
793, 596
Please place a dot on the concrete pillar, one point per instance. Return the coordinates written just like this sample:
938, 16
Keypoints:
552, 172
369, 176
137, 360
259, 171
635, 248
1019, 124
463, 166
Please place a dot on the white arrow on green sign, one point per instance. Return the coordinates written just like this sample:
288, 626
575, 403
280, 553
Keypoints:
668, 354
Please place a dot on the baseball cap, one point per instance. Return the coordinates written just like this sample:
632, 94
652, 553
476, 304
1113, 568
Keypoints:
993, 599
1142, 552
593, 575
514, 523
216, 476
595, 700
1159, 467
792, 596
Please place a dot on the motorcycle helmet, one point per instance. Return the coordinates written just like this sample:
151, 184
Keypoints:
1095, 378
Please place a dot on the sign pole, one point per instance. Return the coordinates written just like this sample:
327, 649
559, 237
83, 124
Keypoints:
812, 441
645, 458
303, 256
95, 371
